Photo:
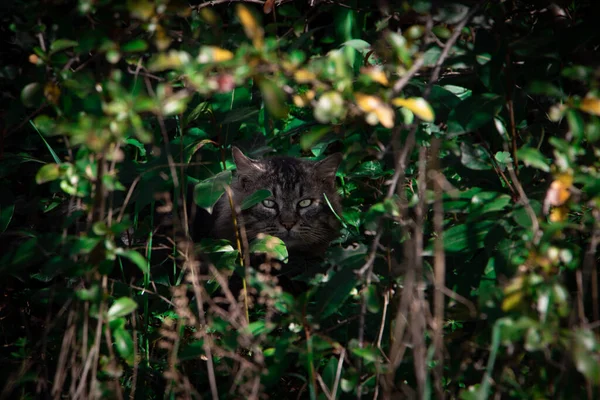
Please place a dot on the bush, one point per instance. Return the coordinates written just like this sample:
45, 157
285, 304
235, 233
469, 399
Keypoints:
467, 261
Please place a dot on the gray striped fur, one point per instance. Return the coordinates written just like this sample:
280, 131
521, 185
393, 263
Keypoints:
291, 180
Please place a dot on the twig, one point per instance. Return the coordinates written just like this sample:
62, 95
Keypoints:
217, 2
338, 374
439, 268
193, 266
524, 200
399, 85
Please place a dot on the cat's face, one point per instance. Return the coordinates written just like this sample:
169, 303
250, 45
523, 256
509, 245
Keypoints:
297, 211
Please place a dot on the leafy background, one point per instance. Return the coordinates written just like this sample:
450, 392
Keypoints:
467, 265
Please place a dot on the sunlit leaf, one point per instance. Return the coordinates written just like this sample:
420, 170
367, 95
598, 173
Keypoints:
62, 44
270, 245
330, 107
503, 157
418, 106
513, 293
251, 26
47, 173
304, 76
377, 74
533, 158
214, 54
172, 59
134, 46
559, 191
121, 307
375, 106
124, 344
136, 258
590, 104
586, 354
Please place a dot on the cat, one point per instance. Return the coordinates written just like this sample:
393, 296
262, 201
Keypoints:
296, 212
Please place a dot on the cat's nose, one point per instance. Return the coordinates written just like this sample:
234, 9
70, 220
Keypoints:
288, 224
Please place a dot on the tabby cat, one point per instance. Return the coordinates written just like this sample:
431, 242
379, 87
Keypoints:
296, 212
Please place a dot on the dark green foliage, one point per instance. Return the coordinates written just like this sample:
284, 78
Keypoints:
466, 265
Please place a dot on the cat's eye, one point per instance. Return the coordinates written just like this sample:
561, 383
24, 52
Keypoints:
268, 203
304, 203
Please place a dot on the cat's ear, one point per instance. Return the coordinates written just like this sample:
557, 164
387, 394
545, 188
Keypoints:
246, 165
327, 167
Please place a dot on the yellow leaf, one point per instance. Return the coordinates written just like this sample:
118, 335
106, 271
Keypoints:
590, 105
559, 193
386, 115
513, 294
376, 74
52, 92
214, 54
141, 9
304, 99
304, 76
366, 102
209, 15
373, 105
161, 39
559, 214
251, 26
418, 105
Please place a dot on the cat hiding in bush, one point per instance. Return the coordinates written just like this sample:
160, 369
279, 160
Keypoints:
296, 212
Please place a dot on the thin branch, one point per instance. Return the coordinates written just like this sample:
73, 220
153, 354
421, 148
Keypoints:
439, 268
217, 2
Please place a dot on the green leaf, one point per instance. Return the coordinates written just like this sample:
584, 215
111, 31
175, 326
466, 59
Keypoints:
31, 95
467, 237
503, 157
586, 354
255, 198
329, 372
358, 45
270, 245
310, 138
134, 46
135, 258
7, 208
274, 97
372, 299
474, 112
533, 158
46, 125
474, 157
90, 294
121, 307
207, 192
335, 292
576, 125
62, 44
369, 354
47, 173
485, 202
369, 169
124, 344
